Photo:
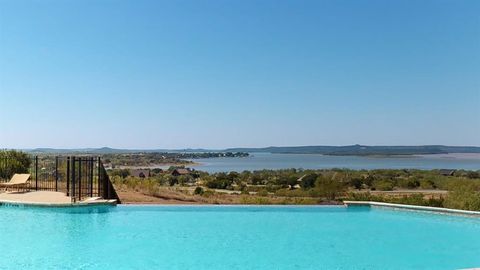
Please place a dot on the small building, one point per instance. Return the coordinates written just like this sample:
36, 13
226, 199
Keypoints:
142, 173
446, 172
180, 171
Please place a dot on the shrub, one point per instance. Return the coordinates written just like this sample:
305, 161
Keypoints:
184, 179
414, 199
408, 183
383, 185
220, 181
198, 191
124, 173
328, 187
427, 184
368, 181
172, 181
463, 196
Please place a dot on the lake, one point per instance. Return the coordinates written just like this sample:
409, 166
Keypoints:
259, 161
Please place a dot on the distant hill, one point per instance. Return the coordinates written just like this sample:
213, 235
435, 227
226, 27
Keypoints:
349, 150
363, 150
108, 150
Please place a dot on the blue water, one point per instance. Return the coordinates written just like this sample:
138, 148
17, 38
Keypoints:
260, 161
231, 237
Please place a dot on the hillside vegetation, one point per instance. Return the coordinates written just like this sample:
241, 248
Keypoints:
419, 187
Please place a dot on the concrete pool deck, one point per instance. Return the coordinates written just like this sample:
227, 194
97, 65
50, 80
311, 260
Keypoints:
48, 198
413, 207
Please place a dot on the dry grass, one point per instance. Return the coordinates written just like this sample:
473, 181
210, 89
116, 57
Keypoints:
179, 195
148, 192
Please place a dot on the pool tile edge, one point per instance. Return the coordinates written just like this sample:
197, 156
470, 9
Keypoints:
57, 205
413, 207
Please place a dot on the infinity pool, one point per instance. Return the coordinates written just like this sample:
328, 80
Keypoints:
231, 237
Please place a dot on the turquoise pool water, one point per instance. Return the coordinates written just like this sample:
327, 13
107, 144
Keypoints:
230, 237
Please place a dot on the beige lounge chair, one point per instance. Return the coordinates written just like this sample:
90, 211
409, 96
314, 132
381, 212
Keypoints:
18, 180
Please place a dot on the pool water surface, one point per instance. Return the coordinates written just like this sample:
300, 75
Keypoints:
235, 237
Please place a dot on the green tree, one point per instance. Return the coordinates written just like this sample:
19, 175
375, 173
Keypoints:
328, 187
12, 162
356, 183
308, 181
219, 181
256, 179
172, 180
234, 177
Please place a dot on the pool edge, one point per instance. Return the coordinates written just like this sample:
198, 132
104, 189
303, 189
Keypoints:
58, 205
413, 207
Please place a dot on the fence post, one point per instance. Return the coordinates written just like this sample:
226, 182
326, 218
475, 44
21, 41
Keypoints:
73, 179
36, 172
91, 176
99, 177
68, 176
80, 179
56, 173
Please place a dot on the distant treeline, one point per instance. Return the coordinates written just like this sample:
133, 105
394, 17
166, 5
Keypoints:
149, 159
210, 155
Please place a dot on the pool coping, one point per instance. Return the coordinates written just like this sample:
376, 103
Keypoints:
234, 205
413, 207
62, 205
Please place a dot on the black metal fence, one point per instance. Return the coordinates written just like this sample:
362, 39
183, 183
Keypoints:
78, 177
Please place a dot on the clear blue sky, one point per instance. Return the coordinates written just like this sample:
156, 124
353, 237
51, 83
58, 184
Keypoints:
224, 73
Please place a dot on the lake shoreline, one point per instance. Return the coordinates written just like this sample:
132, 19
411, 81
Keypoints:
275, 161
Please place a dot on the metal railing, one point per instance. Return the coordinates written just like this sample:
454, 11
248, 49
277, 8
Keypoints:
79, 177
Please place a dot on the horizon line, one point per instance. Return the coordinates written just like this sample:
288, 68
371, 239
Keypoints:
234, 147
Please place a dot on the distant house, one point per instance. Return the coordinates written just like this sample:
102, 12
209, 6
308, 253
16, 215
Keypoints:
181, 171
446, 172
142, 173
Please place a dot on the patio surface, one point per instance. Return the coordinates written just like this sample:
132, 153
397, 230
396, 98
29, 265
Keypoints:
47, 198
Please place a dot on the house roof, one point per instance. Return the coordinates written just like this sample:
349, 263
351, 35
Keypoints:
182, 171
139, 172
446, 172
